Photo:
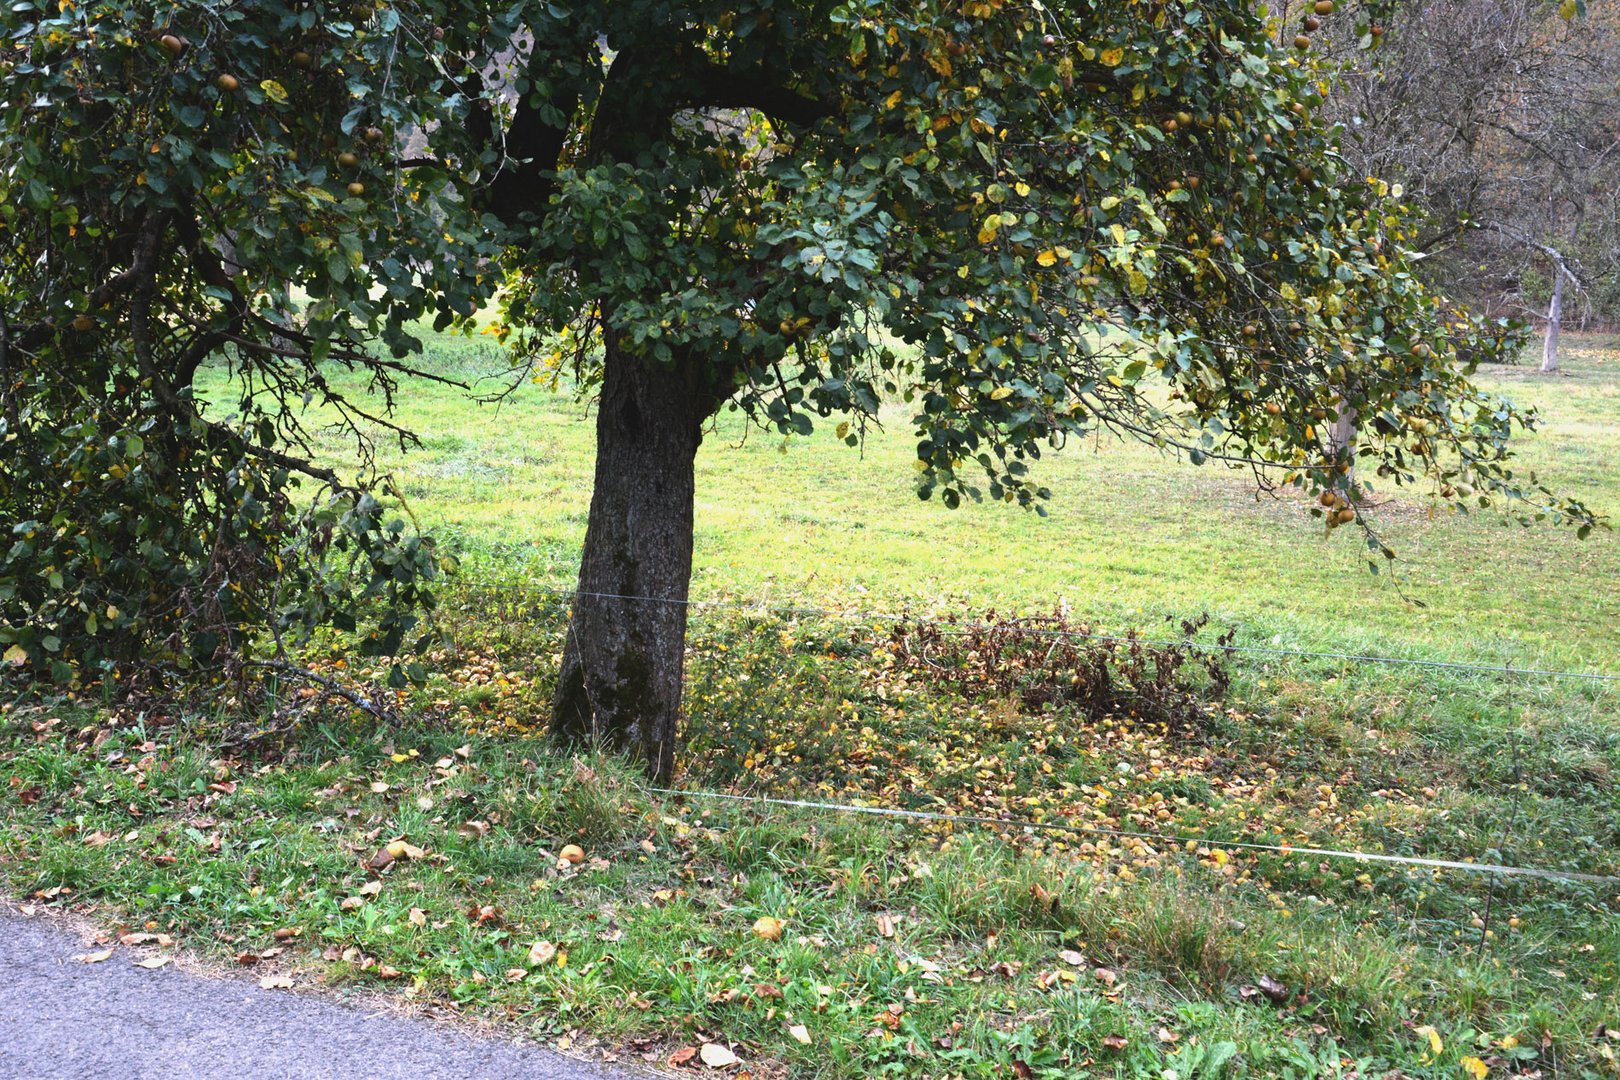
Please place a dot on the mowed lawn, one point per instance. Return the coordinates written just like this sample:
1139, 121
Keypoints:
1132, 535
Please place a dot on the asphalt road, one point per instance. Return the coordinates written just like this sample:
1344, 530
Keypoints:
64, 1018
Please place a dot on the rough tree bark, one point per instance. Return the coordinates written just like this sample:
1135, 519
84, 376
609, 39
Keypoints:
624, 656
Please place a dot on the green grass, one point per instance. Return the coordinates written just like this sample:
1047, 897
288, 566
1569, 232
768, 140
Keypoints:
116, 810
987, 954
1131, 534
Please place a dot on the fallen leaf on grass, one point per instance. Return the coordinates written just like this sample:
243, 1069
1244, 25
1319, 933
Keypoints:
885, 926
768, 928
716, 1056
682, 1056
1116, 1042
287, 933
276, 982
800, 1033
247, 959
1273, 989
379, 787
1069, 956
542, 953
401, 849
417, 917
94, 957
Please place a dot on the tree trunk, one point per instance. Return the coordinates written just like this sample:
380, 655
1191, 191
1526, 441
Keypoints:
624, 657
1342, 440
1555, 314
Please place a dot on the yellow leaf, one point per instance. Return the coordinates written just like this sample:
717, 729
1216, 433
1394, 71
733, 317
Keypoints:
892, 100
16, 656
800, 1033
1435, 1044
274, 91
1001, 393
1474, 1067
768, 928
1047, 258
1112, 56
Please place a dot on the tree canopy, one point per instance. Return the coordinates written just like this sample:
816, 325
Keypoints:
1024, 220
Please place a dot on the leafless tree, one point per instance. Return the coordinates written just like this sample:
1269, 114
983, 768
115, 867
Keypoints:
1499, 118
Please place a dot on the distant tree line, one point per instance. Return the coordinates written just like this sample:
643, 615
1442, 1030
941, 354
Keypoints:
1498, 118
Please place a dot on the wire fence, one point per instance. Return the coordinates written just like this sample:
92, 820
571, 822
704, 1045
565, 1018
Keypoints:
869, 617
1479, 863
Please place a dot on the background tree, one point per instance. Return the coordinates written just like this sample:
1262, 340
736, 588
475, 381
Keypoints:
1012, 218
1498, 119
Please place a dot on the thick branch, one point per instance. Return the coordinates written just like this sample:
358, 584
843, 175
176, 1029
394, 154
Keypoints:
533, 147
753, 88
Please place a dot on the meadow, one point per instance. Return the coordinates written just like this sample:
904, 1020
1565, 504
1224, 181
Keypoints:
817, 943
1130, 534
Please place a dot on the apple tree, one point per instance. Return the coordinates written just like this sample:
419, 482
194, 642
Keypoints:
1022, 221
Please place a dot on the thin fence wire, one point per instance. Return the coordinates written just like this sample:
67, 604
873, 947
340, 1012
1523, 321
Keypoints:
1170, 841
965, 626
